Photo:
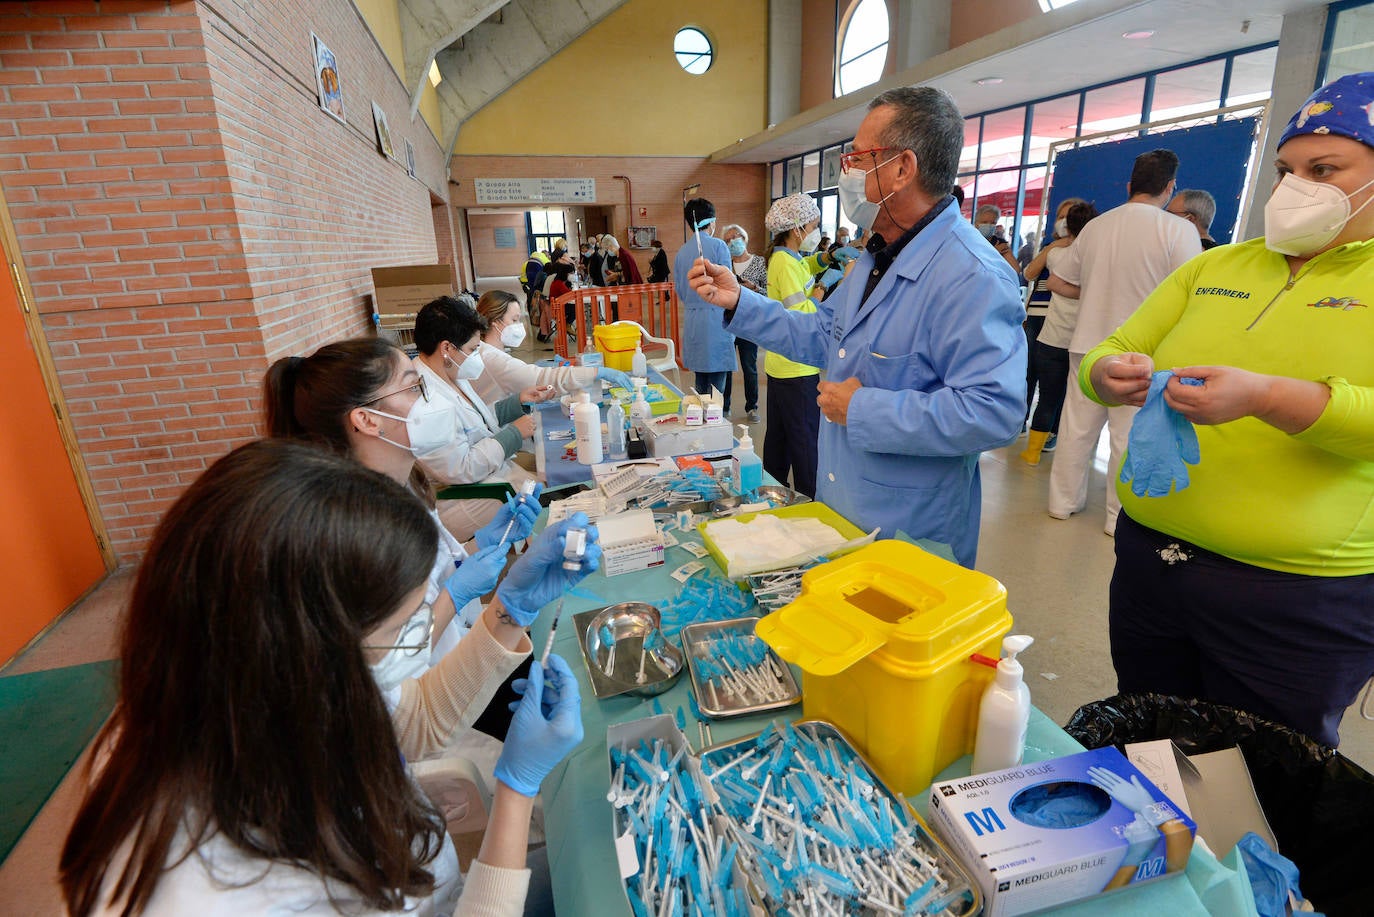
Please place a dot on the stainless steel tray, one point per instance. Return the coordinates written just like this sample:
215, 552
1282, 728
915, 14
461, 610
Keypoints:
967, 900
617, 640
718, 701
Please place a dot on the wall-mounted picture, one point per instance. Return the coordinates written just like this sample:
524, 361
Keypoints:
410, 158
327, 78
384, 144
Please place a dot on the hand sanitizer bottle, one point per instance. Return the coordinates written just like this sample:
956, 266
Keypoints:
638, 365
1004, 712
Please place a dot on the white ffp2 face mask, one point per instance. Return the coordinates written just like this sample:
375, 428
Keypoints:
1303, 216
513, 335
812, 239
429, 425
854, 197
1061, 228
471, 367
402, 661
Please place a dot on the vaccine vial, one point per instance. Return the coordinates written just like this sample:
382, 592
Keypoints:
574, 547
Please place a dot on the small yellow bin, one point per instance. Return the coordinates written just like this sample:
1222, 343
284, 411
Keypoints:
617, 344
883, 638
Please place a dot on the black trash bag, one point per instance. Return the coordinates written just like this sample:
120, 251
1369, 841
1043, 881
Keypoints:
1319, 802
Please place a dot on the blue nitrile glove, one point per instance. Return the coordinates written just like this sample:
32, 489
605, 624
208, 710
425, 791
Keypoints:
524, 510
1162, 444
538, 577
476, 575
1141, 837
615, 377
1272, 875
542, 732
845, 254
831, 277
1131, 795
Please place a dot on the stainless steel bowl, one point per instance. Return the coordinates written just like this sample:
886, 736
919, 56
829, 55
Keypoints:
726, 506
781, 496
625, 646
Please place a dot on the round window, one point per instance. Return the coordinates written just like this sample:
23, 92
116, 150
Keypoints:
863, 46
693, 50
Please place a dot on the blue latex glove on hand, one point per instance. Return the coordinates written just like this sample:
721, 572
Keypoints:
538, 577
524, 510
1162, 444
845, 255
830, 278
615, 377
546, 726
476, 575
1131, 795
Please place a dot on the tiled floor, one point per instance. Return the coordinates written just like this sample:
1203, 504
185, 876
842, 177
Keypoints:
1056, 575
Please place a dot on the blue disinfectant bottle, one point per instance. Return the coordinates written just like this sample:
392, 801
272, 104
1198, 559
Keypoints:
748, 466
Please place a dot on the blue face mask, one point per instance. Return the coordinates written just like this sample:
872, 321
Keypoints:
737, 246
987, 229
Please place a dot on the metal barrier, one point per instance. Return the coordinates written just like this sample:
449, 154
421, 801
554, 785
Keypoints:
653, 305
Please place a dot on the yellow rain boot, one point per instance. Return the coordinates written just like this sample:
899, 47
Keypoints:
1034, 444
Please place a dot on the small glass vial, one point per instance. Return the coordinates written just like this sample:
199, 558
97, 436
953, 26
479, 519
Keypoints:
574, 547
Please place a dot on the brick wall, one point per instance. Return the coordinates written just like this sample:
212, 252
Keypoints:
186, 213
656, 182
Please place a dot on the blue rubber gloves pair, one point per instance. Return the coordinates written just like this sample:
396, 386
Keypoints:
1162, 444
538, 577
477, 574
844, 254
615, 377
546, 726
523, 509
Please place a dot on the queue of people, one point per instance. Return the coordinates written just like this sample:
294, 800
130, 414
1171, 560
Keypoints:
319, 621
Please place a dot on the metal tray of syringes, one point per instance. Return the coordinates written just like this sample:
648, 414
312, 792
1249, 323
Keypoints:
721, 702
961, 892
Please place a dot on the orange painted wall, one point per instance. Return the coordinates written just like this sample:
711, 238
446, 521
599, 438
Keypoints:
48, 552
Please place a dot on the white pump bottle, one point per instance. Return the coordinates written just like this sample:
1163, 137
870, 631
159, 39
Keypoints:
1004, 712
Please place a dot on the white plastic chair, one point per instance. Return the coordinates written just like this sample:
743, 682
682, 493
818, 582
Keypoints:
665, 364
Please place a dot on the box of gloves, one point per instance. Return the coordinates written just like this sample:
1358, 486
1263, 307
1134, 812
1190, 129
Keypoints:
1061, 830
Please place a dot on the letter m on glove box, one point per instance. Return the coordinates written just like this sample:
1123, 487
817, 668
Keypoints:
985, 822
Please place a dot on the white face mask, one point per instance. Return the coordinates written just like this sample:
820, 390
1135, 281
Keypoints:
854, 198
404, 660
429, 425
1061, 228
513, 335
812, 239
1303, 216
471, 367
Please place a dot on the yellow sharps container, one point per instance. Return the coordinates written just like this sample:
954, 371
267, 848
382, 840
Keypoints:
883, 638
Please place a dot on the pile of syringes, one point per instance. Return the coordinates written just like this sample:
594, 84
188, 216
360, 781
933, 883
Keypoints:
818, 835
794, 811
675, 488
737, 671
702, 598
776, 588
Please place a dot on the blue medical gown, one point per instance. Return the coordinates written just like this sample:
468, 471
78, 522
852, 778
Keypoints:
706, 346
941, 356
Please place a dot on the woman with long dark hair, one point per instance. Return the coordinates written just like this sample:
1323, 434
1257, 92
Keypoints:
250, 763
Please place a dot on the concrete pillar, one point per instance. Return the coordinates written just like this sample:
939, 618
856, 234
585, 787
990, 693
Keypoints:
1295, 75
784, 59
920, 31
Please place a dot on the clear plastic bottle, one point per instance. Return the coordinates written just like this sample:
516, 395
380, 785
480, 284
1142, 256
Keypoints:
639, 366
615, 429
641, 415
748, 466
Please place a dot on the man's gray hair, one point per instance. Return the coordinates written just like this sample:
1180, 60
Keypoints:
1200, 204
986, 209
927, 122
735, 227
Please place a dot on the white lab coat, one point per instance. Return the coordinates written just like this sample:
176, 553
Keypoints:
504, 375
473, 453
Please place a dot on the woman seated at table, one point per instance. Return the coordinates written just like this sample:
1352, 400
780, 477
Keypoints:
267, 590
504, 375
472, 441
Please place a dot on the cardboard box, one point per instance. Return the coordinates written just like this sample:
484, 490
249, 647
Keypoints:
1024, 864
677, 438
629, 541
399, 293
1213, 788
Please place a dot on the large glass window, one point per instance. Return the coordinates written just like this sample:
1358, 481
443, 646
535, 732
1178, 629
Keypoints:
811, 171
1350, 46
543, 226
1113, 107
863, 46
1252, 76
1187, 91
693, 50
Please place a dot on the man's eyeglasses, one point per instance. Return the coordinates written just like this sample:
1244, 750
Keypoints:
848, 160
418, 386
415, 636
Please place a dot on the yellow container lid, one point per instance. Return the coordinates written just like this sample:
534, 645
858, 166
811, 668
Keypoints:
616, 337
920, 609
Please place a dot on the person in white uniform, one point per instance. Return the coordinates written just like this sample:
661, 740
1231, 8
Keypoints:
504, 374
250, 766
483, 440
1116, 262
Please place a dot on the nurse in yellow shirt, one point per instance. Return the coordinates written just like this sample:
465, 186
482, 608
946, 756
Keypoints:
1254, 586
794, 419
